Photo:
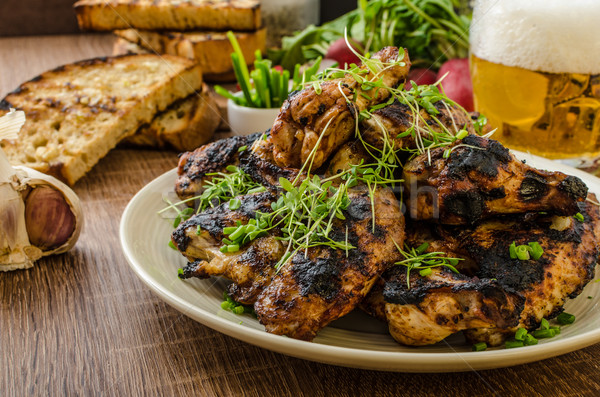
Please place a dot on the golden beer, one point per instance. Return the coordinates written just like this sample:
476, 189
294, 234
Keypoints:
543, 96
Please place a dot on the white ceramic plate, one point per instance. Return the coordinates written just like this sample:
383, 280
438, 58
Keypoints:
354, 341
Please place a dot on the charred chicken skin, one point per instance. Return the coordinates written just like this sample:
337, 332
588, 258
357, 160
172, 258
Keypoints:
212, 157
312, 290
480, 179
308, 116
498, 294
440, 305
397, 118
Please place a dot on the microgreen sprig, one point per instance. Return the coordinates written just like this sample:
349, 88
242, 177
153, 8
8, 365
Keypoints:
222, 187
418, 259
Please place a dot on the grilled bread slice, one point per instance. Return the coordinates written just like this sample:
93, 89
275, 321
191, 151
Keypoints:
78, 112
168, 14
185, 125
123, 47
212, 50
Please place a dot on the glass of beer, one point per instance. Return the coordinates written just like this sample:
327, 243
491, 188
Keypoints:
535, 66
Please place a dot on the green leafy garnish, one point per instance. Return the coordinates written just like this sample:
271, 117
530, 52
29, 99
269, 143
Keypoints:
418, 259
433, 30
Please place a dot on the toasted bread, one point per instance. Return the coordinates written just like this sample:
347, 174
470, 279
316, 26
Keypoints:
177, 15
212, 50
185, 125
123, 47
78, 112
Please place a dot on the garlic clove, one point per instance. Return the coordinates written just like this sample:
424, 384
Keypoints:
49, 219
49, 197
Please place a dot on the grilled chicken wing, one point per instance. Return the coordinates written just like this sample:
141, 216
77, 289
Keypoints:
311, 291
213, 157
440, 304
397, 118
251, 269
481, 179
307, 116
501, 294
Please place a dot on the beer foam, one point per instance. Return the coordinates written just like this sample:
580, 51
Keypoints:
556, 36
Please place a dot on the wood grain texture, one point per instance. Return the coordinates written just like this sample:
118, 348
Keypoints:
82, 323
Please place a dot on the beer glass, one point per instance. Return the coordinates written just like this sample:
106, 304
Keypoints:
535, 66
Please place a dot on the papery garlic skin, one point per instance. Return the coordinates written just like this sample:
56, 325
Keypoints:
21, 187
15, 250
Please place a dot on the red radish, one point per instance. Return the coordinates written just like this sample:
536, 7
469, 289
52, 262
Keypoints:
420, 76
457, 84
341, 53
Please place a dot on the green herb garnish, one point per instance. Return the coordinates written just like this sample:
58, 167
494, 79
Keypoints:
418, 259
235, 307
565, 318
532, 250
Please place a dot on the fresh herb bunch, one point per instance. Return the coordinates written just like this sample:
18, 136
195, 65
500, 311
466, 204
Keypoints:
264, 86
434, 30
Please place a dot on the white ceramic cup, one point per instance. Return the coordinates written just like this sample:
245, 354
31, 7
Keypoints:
244, 120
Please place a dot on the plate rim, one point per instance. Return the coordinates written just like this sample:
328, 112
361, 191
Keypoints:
418, 361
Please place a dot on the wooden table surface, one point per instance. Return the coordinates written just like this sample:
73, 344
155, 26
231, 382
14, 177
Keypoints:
82, 323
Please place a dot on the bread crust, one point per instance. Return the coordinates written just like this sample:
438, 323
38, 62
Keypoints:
212, 50
78, 112
105, 15
184, 126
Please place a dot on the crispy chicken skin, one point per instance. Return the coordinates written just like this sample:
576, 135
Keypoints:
491, 300
311, 291
213, 157
440, 304
481, 179
307, 115
251, 269
397, 118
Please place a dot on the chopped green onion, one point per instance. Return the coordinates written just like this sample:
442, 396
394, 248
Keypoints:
522, 252
544, 324
556, 329
422, 248
530, 340
520, 334
565, 318
579, 217
234, 204
512, 249
535, 249
543, 333
242, 148
172, 245
223, 249
233, 248
425, 272
238, 310
511, 344
479, 347
180, 272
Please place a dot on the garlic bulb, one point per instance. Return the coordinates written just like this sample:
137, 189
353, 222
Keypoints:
39, 215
